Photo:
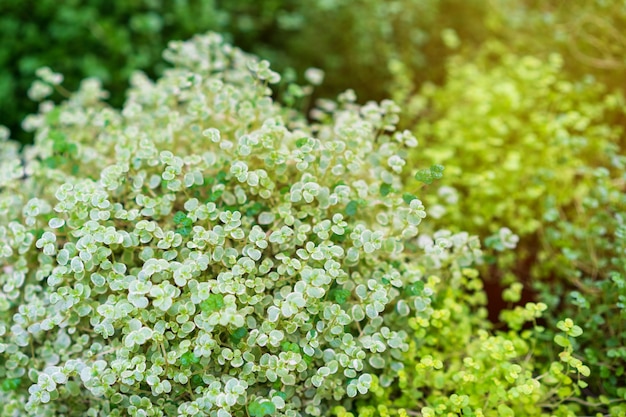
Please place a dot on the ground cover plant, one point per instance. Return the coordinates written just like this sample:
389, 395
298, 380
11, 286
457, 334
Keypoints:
143, 277
224, 243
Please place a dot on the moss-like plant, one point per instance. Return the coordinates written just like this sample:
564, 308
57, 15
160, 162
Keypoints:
204, 251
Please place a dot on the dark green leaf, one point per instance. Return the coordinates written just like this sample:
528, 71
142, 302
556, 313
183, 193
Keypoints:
408, 198
189, 358
214, 303
340, 295
183, 231
239, 334
414, 288
179, 217
351, 208
425, 176
385, 189
261, 409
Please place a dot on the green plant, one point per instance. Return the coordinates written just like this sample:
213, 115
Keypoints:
205, 251
515, 138
587, 249
528, 149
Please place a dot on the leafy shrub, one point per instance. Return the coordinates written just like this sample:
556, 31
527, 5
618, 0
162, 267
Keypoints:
588, 249
458, 365
531, 150
463, 368
204, 251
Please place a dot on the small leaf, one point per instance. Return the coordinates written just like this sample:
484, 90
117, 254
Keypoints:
425, 176
11, 384
561, 340
255, 209
261, 409
214, 303
214, 196
352, 207
221, 177
183, 231
188, 358
505, 411
437, 169
575, 331
408, 198
584, 370
197, 380
414, 288
340, 296
290, 347
179, 217
385, 189
239, 334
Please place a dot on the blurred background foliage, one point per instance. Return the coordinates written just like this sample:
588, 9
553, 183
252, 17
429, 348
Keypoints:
529, 147
357, 42
111, 39
352, 40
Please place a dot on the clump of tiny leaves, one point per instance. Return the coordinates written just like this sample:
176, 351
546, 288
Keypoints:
204, 251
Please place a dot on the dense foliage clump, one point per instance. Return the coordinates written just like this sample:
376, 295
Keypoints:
206, 251
110, 40
200, 245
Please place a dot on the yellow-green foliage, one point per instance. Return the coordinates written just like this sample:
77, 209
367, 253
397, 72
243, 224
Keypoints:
512, 134
207, 250
528, 148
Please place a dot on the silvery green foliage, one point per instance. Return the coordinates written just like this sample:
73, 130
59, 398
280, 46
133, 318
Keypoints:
205, 252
